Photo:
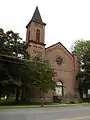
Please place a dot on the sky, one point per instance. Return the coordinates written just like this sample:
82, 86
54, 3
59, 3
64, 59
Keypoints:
67, 20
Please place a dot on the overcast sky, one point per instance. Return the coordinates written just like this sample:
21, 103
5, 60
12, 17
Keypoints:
67, 20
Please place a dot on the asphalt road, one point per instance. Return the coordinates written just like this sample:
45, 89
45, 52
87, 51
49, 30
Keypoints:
55, 113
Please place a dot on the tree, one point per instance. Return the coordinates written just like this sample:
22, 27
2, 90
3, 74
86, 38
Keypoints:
39, 77
23, 76
81, 47
3, 43
10, 46
43, 77
84, 75
16, 45
18, 71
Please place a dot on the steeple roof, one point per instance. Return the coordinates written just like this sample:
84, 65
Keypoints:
36, 18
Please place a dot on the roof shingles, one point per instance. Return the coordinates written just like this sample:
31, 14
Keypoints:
36, 18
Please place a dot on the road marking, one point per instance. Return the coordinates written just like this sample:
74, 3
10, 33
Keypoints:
75, 118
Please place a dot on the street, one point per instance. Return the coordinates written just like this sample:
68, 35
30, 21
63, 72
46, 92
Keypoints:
52, 113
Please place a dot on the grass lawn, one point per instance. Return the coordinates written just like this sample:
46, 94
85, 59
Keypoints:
45, 106
10, 104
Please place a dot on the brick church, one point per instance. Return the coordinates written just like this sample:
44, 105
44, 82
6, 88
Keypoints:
64, 63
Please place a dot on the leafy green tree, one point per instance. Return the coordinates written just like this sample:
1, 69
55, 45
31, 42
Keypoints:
16, 45
43, 77
18, 71
84, 75
81, 47
11, 44
3, 43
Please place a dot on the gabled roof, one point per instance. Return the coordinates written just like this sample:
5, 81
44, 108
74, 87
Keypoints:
61, 45
36, 18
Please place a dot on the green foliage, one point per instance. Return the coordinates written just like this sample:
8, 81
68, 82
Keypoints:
3, 45
12, 44
17, 70
84, 76
81, 47
43, 77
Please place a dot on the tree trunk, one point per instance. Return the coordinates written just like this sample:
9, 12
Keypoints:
22, 95
42, 98
17, 95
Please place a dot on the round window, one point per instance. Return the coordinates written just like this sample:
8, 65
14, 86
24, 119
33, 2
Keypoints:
59, 60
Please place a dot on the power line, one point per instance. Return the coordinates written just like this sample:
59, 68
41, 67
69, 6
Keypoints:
23, 60
20, 59
33, 61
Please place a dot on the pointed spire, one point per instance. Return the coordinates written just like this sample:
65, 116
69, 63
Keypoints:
36, 17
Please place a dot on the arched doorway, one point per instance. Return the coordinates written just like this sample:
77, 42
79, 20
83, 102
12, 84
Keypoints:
58, 94
59, 88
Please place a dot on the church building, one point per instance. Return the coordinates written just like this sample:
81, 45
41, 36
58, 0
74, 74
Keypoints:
64, 63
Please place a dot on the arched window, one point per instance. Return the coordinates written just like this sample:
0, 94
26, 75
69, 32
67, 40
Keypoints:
59, 89
38, 35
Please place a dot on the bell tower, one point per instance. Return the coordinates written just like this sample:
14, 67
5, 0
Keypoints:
35, 35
